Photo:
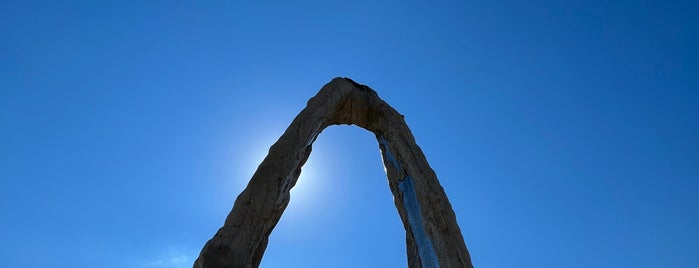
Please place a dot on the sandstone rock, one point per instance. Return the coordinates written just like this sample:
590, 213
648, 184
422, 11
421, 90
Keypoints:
433, 237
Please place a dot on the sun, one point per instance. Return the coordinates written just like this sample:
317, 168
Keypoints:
308, 186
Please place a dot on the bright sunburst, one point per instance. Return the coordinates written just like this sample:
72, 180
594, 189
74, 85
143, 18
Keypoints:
306, 190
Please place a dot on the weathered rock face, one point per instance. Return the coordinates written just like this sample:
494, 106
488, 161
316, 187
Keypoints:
432, 235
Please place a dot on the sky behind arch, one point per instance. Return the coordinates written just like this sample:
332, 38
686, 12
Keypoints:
564, 133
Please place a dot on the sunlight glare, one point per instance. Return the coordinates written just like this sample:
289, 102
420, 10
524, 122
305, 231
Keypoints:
306, 190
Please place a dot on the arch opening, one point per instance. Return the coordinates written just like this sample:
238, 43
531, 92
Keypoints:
352, 213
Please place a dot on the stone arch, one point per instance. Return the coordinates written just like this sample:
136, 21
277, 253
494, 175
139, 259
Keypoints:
433, 238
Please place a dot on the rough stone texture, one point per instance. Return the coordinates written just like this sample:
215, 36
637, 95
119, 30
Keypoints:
433, 237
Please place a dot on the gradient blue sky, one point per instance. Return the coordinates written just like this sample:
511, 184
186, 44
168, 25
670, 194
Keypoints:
564, 132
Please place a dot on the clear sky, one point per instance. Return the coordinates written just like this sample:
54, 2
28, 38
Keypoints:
564, 132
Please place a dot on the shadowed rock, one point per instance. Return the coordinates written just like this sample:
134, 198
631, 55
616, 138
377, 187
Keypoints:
433, 237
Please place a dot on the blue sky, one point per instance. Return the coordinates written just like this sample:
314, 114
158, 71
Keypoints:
564, 132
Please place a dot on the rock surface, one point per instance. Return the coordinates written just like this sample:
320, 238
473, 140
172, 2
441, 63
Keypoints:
433, 237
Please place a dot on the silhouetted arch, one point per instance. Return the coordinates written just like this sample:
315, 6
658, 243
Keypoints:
433, 237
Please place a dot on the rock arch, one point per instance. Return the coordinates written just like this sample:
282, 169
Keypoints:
433, 237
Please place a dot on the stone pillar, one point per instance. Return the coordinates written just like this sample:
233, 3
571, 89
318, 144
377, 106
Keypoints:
433, 237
